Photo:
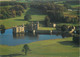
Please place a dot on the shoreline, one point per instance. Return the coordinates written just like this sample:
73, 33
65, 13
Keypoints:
36, 41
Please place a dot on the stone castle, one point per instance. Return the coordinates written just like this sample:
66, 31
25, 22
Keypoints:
23, 28
18, 29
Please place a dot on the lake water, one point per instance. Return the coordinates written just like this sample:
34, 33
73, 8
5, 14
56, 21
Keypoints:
10, 39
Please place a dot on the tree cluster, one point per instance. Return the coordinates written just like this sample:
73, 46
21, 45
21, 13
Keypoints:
13, 11
72, 2
76, 37
2, 28
27, 17
55, 12
68, 19
64, 28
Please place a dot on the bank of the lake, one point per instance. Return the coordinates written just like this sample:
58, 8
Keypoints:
46, 48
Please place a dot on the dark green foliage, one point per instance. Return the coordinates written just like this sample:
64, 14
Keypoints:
58, 27
73, 2
24, 5
71, 19
27, 17
67, 5
19, 13
76, 38
75, 20
77, 31
47, 21
13, 13
16, 9
26, 49
2, 27
67, 19
64, 28
54, 12
6, 3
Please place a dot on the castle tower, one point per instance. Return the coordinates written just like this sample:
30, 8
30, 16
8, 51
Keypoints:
37, 25
19, 29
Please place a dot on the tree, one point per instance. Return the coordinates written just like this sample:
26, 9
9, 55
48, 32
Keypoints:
26, 49
27, 17
47, 21
76, 39
67, 19
17, 8
24, 5
13, 13
67, 5
64, 28
19, 13
2, 27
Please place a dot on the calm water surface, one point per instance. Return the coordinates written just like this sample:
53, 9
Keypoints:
10, 39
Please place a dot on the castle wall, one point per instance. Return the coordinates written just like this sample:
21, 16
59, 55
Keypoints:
30, 27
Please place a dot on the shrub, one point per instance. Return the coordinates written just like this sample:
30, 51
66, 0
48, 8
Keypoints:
64, 28
27, 17
47, 21
76, 38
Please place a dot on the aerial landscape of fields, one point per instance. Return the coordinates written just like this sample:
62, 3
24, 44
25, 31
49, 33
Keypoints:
39, 28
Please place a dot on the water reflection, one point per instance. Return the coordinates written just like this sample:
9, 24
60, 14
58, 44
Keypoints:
31, 36
18, 35
2, 31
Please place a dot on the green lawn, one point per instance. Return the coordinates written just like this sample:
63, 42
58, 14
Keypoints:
47, 48
75, 6
46, 28
36, 14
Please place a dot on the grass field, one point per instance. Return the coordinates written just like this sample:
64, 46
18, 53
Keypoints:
35, 14
47, 48
75, 6
46, 28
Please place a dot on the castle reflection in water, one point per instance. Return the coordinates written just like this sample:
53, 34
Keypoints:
31, 36
34, 36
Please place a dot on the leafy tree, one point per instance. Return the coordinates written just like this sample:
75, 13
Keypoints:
64, 28
67, 19
47, 21
76, 39
19, 13
67, 5
27, 17
13, 13
24, 5
17, 8
2, 27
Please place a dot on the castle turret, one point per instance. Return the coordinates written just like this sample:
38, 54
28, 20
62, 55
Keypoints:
37, 25
19, 29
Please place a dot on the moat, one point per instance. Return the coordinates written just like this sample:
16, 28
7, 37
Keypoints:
10, 39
